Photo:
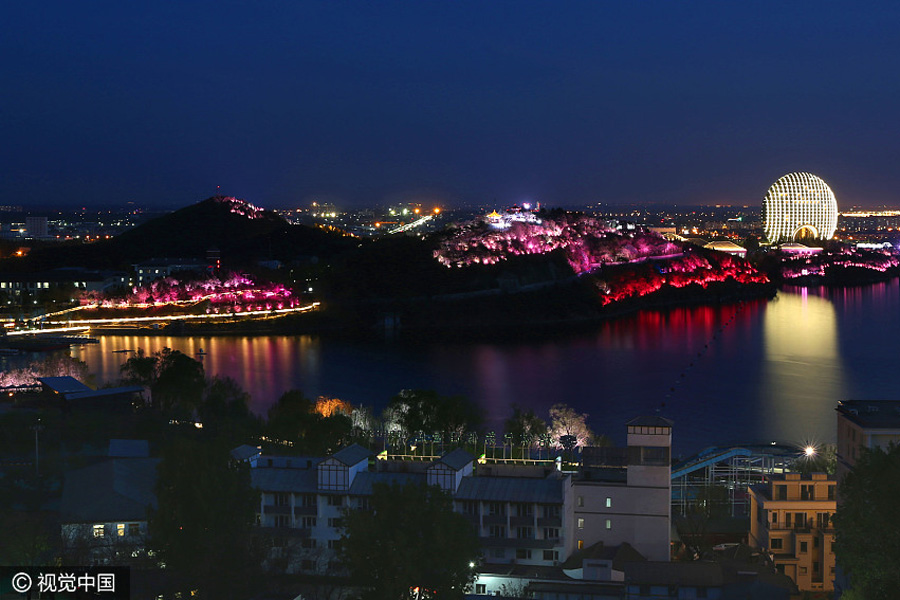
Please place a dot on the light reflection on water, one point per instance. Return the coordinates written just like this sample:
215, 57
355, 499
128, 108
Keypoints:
754, 372
803, 374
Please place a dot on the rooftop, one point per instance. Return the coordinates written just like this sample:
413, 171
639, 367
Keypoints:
650, 421
118, 489
457, 459
874, 414
64, 385
511, 489
352, 454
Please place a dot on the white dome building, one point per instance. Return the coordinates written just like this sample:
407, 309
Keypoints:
799, 206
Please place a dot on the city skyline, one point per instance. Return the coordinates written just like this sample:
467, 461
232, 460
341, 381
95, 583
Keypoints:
456, 104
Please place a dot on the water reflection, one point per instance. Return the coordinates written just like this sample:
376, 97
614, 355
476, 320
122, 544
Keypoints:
755, 371
264, 366
803, 372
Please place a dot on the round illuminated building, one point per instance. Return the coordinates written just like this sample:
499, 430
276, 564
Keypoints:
799, 206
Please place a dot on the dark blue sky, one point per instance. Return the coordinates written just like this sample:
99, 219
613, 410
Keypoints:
464, 102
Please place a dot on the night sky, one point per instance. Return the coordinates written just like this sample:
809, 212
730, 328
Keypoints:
362, 103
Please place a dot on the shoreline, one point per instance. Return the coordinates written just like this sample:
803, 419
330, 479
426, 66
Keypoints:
502, 317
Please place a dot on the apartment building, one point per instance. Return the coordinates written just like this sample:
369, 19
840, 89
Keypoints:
529, 519
790, 518
864, 424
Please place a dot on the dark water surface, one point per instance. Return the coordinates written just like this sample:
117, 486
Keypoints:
755, 372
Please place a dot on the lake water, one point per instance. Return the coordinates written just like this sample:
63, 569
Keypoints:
758, 371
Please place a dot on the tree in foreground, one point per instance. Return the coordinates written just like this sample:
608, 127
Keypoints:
410, 545
203, 526
428, 412
568, 428
867, 524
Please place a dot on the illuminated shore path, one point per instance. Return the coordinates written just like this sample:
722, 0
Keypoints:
82, 324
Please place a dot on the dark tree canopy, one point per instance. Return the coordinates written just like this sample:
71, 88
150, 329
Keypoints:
429, 412
867, 524
294, 419
525, 426
176, 380
411, 538
204, 523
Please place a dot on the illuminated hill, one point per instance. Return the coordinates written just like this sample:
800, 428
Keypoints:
242, 233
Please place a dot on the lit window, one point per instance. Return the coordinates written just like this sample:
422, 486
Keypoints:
120, 529
581, 544
580, 500
99, 531
609, 524
580, 523
608, 502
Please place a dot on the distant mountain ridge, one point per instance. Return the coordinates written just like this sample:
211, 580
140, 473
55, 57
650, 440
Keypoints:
242, 232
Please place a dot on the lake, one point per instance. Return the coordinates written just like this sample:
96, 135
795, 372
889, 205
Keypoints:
759, 371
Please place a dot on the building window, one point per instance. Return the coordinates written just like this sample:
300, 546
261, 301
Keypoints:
580, 523
282, 521
831, 492
497, 509
524, 510
480, 589
99, 531
802, 570
775, 543
816, 567
335, 500
807, 492
498, 553
774, 517
525, 533
309, 522
580, 501
581, 544
551, 555
800, 520
551, 511
523, 554
470, 507
803, 547
498, 531
781, 492
609, 523
787, 519
333, 544
335, 522
608, 502
551, 533
120, 529
308, 501
282, 499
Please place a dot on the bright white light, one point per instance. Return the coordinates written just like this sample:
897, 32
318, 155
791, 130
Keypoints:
799, 203
810, 451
